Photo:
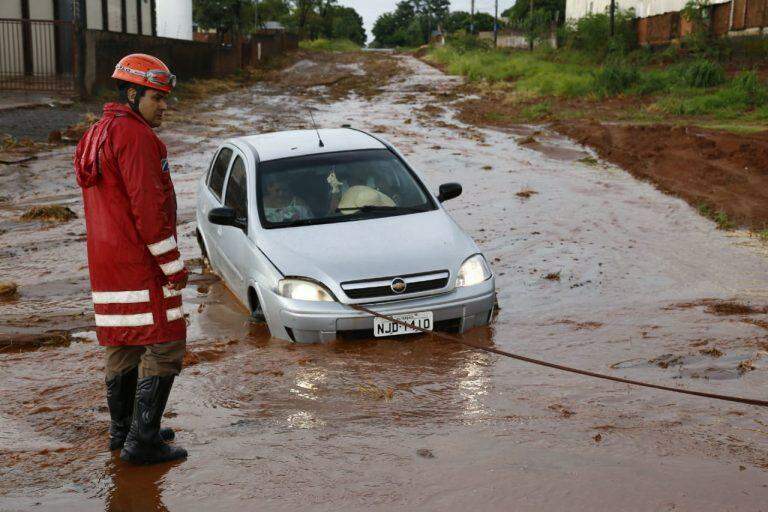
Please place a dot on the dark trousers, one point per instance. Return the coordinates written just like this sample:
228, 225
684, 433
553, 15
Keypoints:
159, 360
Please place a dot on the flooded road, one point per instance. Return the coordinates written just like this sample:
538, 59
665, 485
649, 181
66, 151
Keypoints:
594, 269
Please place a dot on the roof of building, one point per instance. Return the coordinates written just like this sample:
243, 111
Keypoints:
276, 145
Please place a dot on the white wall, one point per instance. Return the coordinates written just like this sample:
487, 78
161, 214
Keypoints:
10, 9
39, 9
146, 18
575, 9
43, 44
174, 18
114, 13
93, 14
11, 54
131, 18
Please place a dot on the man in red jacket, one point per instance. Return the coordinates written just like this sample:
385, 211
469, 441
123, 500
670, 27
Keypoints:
136, 270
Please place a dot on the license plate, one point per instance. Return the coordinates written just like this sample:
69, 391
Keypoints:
383, 327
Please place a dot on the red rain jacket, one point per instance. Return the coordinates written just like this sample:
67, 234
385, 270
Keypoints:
130, 218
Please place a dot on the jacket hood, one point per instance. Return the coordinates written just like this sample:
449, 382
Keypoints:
86, 158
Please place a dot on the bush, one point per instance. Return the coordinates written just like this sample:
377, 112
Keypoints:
592, 34
615, 78
652, 82
329, 45
748, 83
463, 42
703, 73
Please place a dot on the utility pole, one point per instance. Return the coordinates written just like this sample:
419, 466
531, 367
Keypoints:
80, 26
472, 18
530, 25
613, 17
496, 25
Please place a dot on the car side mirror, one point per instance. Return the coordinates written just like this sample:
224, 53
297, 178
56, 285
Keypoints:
449, 191
226, 217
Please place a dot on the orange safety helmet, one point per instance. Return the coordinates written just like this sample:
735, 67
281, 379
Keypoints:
145, 70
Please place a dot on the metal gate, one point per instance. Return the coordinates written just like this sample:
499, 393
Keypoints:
37, 55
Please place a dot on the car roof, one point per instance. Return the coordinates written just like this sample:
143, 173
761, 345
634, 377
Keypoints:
276, 145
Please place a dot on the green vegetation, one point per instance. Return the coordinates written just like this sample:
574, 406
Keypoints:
329, 45
311, 19
411, 23
719, 217
590, 66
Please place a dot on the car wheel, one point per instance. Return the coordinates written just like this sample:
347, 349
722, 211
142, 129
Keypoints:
257, 313
203, 251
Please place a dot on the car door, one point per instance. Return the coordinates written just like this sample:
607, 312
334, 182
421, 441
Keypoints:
235, 244
212, 197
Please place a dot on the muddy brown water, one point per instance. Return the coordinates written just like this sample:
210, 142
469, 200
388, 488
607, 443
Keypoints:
413, 423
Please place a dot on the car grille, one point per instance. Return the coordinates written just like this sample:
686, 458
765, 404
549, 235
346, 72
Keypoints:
382, 286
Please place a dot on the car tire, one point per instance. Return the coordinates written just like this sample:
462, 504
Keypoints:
203, 250
257, 313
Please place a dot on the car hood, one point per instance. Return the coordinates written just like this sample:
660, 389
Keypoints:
370, 248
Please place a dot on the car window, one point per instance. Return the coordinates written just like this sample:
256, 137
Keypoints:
237, 189
337, 187
219, 171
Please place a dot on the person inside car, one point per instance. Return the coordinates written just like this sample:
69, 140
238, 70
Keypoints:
355, 191
280, 205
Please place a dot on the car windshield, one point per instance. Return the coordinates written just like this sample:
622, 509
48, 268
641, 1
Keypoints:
337, 187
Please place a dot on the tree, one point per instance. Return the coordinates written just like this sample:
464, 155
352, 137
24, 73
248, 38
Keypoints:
274, 10
458, 20
412, 22
345, 23
552, 9
483, 22
226, 16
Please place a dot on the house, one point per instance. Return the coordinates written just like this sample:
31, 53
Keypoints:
40, 37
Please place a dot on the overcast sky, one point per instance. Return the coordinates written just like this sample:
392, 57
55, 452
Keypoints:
371, 9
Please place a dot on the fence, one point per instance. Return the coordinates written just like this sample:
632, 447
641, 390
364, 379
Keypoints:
37, 55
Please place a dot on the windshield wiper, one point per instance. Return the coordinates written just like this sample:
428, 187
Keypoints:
375, 208
300, 222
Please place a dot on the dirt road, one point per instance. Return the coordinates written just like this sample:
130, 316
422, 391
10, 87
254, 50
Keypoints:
595, 269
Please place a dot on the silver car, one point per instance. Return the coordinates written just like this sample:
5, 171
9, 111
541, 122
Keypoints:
301, 224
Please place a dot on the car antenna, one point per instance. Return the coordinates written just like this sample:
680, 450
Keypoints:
316, 130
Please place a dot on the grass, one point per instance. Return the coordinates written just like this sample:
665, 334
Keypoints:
683, 88
329, 45
719, 217
530, 73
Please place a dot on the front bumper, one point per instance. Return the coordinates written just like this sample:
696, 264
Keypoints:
313, 322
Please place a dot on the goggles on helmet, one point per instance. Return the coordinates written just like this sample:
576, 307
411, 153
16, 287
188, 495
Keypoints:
159, 77
153, 76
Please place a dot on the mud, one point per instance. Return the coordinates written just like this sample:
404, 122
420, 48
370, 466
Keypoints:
51, 213
411, 423
715, 171
712, 170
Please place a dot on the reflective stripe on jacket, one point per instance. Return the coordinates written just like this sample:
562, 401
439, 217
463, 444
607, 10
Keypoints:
130, 217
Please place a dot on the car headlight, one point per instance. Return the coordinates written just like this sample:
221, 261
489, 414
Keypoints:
473, 271
302, 289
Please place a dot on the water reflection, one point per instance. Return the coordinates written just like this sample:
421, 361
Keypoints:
308, 381
135, 488
474, 385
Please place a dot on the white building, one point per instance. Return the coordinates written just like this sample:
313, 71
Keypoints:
174, 19
38, 36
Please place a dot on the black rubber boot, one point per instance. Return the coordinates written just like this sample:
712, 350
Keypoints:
143, 444
121, 391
